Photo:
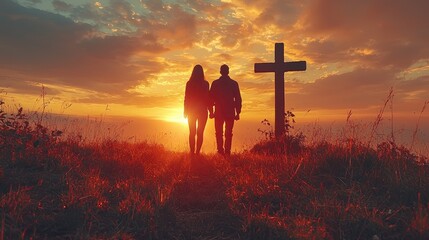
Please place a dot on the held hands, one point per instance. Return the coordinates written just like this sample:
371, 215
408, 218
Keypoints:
236, 117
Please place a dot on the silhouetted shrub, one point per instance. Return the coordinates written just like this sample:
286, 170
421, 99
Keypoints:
288, 144
21, 140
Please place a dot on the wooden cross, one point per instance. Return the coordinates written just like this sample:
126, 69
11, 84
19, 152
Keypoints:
279, 67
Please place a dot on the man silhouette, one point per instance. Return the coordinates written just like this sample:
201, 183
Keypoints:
226, 99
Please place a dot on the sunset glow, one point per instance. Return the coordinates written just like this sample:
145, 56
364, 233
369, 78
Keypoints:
136, 56
176, 119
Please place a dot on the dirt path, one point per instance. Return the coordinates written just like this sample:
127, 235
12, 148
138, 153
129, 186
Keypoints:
201, 206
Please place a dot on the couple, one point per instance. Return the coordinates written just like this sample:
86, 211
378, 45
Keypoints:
224, 95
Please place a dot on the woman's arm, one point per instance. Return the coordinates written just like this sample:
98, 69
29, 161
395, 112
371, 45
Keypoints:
186, 101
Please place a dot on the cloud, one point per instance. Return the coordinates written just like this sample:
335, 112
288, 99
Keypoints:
278, 12
372, 34
170, 24
180, 28
153, 5
134, 99
413, 92
25, 86
224, 56
54, 49
61, 6
359, 89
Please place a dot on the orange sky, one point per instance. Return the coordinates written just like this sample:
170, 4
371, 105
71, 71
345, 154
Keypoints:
134, 57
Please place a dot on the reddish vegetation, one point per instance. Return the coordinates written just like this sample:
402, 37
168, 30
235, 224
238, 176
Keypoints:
66, 188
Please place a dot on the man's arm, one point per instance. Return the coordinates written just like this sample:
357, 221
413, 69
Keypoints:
237, 101
210, 102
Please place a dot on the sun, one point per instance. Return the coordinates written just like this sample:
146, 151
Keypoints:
176, 119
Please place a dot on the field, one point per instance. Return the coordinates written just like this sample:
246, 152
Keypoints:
53, 187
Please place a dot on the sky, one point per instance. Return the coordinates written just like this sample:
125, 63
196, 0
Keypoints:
133, 58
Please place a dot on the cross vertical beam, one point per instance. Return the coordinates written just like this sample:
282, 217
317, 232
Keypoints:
279, 93
279, 67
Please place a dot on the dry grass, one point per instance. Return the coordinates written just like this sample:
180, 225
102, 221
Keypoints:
55, 188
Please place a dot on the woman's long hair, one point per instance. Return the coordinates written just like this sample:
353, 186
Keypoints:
197, 74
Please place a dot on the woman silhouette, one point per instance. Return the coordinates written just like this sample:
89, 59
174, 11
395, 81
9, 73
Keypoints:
196, 106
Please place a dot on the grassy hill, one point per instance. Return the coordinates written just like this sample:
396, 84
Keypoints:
55, 188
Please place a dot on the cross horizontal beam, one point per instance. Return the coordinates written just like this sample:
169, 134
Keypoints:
281, 67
